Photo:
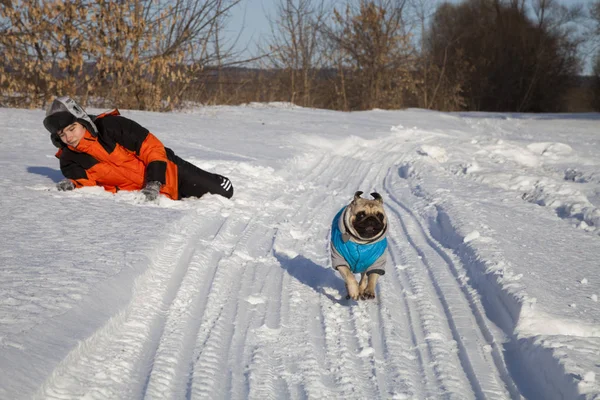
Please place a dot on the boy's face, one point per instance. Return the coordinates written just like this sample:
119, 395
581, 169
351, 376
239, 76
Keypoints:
72, 134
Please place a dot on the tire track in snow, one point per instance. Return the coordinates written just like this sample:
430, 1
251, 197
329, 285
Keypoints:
370, 351
247, 306
305, 380
170, 373
114, 361
399, 355
354, 347
403, 339
262, 374
345, 333
263, 345
258, 373
301, 361
304, 367
436, 354
393, 355
437, 361
401, 361
314, 208
318, 168
477, 350
232, 285
257, 346
497, 382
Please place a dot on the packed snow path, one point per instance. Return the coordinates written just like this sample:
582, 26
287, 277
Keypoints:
491, 290
244, 305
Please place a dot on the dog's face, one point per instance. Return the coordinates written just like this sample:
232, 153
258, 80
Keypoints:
367, 217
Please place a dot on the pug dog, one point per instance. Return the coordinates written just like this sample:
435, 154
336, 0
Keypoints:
359, 244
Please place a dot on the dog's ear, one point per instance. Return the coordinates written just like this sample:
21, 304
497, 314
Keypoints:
377, 197
356, 197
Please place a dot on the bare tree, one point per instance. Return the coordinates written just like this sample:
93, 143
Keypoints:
294, 46
595, 40
376, 53
439, 72
558, 32
138, 54
35, 51
514, 63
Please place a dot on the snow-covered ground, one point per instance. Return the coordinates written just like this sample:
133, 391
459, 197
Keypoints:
491, 290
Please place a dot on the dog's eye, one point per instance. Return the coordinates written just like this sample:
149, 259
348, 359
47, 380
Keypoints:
380, 216
360, 215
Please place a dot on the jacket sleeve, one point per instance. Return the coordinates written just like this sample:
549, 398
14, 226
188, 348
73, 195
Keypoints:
75, 171
144, 144
153, 154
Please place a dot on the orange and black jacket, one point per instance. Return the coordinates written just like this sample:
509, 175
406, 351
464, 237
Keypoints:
124, 156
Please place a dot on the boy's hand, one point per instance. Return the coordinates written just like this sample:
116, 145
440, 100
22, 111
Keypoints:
65, 184
152, 190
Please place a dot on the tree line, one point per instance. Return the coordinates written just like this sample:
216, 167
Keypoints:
475, 55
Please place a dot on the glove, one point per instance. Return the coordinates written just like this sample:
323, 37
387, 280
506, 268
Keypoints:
65, 184
152, 190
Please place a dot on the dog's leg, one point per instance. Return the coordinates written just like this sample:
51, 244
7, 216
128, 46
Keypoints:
362, 285
350, 280
369, 292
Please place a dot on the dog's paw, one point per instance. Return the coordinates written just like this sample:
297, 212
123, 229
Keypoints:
367, 295
353, 292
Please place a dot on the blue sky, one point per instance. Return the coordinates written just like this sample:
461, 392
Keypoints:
250, 16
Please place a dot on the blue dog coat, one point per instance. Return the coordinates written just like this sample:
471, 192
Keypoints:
358, 256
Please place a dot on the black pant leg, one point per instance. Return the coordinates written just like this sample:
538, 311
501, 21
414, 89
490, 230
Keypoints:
195, 182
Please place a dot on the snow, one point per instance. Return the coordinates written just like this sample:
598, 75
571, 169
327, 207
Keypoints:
491, 289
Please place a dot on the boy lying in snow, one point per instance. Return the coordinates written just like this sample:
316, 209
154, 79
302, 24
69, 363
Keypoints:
119, 154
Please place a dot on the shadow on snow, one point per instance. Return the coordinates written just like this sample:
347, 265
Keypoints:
51, 173
314, 276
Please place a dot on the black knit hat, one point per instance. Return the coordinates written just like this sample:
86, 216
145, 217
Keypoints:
63, 112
